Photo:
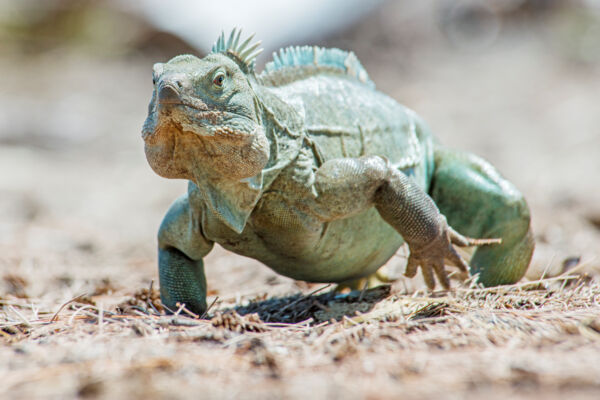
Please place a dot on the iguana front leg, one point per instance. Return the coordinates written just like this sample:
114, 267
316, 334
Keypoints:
348, 186
181, 247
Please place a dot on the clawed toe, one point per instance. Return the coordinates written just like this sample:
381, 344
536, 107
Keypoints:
431, 257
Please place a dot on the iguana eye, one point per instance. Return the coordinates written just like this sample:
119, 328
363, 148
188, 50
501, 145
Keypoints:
153, 80
219, 79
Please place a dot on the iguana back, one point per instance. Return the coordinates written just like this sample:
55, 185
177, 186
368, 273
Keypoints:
345, 116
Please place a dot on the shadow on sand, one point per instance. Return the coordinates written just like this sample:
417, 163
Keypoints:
323, 307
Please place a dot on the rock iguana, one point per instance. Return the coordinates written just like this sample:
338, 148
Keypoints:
309, 169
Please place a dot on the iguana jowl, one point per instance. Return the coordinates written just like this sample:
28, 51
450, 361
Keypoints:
310, 170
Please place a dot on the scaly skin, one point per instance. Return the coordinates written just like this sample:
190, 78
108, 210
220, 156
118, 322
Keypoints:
310, 170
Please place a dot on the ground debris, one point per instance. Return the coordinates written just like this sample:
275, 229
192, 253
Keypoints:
396, 334
260, 355
201, 335
146, 300
105, 286
431, 310
590, 328
342, 350
235, 322
90, 388
84, 299
16, 285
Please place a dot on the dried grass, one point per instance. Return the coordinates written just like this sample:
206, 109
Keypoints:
389, 335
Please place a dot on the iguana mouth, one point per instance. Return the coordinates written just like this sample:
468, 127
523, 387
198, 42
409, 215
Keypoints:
203, 122
179, 102
203, 108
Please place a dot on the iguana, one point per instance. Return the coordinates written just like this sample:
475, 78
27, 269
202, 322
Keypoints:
309, 169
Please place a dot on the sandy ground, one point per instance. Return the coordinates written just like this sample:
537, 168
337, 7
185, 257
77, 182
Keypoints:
79, 209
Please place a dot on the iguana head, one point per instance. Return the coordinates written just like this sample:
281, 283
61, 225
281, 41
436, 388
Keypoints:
203, 120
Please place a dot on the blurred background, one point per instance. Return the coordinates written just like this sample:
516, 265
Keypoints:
515, 81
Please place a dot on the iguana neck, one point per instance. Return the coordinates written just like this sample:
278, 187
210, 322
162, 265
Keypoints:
284, 129
232, 201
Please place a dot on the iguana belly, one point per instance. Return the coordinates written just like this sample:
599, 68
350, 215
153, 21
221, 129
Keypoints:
345, 249
327, 252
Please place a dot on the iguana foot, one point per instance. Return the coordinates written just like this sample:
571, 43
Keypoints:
431, 257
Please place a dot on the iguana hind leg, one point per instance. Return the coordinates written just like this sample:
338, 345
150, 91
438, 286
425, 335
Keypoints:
376, 279
478, 202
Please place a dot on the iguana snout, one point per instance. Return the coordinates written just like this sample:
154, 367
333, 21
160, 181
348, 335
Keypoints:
168, 93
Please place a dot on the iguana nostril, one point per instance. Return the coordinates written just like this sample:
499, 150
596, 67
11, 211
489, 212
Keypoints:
179, 84
168, 94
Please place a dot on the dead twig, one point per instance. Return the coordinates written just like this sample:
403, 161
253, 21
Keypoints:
55, 316
183, 308
209, 307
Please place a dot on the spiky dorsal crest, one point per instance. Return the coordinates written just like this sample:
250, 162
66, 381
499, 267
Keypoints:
244, 53
295, 63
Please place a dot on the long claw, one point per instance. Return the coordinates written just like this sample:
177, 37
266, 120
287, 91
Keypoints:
464, 241
483, 242
411, 268
457, 260
428, 276
441, 275
458, 239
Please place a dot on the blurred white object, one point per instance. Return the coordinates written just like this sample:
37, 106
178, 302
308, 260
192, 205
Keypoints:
275, 22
